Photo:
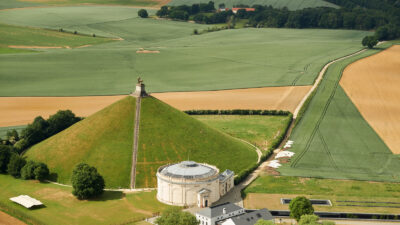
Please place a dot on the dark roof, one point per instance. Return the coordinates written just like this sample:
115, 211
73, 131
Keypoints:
251, 218
227, 173
215, 211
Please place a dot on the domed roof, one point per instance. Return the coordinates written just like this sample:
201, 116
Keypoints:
188, 170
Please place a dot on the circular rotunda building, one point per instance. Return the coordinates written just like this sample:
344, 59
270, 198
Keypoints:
189, 183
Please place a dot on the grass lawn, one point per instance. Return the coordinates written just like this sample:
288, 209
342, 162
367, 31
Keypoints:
266, 191
261, 131
103, 140
168, 135
186, 62
27, 36
333, 140
61, 207
290, 4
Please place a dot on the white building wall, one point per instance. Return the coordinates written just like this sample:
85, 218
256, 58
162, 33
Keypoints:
185, 194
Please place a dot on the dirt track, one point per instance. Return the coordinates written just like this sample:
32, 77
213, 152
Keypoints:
22, 110
6, 219
282, 98
373, 86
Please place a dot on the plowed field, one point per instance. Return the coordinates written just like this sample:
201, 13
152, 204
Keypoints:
281, 98
22, 110
373, 86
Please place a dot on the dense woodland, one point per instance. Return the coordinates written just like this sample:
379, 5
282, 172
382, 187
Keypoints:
380, 15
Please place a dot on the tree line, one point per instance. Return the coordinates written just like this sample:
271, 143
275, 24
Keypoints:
39, 130
380, 15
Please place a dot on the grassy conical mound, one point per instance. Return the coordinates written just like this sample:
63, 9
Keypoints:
167, 135
103, 140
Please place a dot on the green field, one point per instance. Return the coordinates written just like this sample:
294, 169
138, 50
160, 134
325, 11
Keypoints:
3, 130
103, 140
27, 36
168, 135
290, 4
334, 141
261, 131
10, 4
212, 61
61, 207
364, 194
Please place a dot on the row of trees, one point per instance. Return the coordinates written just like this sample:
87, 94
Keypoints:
39, 130
202, 13
16, 166
383, 16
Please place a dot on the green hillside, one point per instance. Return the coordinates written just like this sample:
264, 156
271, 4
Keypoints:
103, 140
168, 135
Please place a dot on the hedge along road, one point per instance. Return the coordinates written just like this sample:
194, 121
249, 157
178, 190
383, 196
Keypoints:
230, 59
334, 141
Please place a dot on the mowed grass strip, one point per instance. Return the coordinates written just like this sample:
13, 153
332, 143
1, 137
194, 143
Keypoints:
266, 191
261, 131
61, 207
103, 140
290, 4
168, 135
334, 141
28, 36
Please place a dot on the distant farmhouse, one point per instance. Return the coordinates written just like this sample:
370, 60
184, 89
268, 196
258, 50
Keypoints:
189, 183
231, 214
235, 10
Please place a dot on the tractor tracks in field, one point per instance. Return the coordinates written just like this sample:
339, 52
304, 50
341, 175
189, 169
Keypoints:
325, 109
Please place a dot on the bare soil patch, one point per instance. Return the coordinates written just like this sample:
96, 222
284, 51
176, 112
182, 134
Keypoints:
22, 110
143, 51
6, 219
280, 98
373, 86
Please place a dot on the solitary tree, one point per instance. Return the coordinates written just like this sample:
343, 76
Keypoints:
143, 13
369, 41
300, 206
15, 165
86, 182
174, 216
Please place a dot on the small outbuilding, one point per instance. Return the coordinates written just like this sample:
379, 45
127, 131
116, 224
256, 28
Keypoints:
26, 201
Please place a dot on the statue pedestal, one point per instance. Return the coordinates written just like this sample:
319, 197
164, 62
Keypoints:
140, 91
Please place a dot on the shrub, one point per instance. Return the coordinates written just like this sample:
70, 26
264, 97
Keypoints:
41, 171
143, 13
195, 32
174, 216
308, 220
27, 170
86, 182
300, 206
5, 154
369, 41
15, 165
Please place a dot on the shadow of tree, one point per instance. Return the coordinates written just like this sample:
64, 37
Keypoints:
109, 195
